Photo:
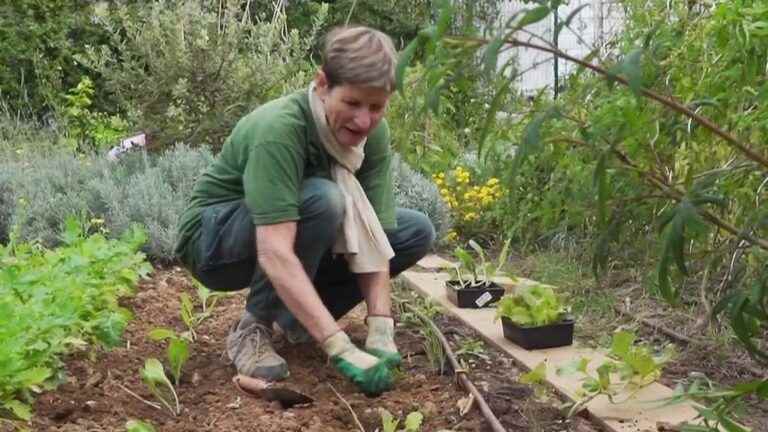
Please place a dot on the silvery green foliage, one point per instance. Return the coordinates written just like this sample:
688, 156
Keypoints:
153, 191
43, 192
416, 192
39, 194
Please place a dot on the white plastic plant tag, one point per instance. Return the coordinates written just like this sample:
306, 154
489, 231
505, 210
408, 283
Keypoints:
483, 299
127, 144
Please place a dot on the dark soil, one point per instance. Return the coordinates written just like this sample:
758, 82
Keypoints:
96, 395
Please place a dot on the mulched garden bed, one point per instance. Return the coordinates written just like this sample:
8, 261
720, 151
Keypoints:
96, 395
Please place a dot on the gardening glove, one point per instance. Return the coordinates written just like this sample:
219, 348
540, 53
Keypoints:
381, 339
370, 374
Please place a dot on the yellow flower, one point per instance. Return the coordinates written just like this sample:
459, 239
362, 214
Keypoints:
492, 181
451, 236
438, 182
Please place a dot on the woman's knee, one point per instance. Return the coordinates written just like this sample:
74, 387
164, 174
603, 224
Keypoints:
323, 200
417, 228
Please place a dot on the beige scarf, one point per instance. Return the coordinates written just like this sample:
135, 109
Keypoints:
361, 238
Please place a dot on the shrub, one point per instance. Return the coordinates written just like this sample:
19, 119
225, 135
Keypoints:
152, 190
414, 191
188, 74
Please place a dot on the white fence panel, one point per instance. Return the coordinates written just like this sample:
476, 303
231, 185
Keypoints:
593, 27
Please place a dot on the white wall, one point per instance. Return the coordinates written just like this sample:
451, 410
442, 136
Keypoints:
596, 24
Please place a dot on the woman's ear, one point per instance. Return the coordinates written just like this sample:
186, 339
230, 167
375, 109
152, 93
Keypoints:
321, 84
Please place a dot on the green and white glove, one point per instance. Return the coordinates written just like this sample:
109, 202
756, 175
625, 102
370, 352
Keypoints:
381, 339
369, 373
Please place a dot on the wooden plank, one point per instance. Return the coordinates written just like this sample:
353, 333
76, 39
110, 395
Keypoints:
640, 413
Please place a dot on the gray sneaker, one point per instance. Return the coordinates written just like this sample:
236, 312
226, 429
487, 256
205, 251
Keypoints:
249, 346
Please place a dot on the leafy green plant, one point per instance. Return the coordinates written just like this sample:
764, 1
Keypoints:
632, 367
138, 426
153, 376
177, 352
532, 305
721, 403
471, 348
471, 271
184, 69
537, 375
206, 298
412, 423
56, 301
90, 130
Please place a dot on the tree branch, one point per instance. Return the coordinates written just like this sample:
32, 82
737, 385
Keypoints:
664, 100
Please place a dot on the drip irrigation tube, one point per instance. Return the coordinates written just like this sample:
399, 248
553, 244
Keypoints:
461, 374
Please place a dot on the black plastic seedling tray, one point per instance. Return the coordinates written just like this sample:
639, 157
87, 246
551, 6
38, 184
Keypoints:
548, 336
473, 297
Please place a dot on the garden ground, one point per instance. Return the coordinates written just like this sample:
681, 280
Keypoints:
96, 396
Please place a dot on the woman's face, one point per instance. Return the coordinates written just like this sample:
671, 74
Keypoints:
353, 111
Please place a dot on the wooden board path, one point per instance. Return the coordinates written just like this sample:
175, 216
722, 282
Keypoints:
642, 413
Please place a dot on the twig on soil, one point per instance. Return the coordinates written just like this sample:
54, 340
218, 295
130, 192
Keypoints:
152, 404
349, 407
461, 374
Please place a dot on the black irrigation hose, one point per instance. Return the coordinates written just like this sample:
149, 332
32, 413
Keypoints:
461, 374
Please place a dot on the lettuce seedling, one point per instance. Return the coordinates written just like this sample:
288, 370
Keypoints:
138, 426
153, 376
531, 306
389, 423
178, 350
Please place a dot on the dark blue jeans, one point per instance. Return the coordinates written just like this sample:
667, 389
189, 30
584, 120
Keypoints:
227, 252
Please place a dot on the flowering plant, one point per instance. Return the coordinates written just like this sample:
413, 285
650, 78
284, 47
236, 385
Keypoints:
468, 201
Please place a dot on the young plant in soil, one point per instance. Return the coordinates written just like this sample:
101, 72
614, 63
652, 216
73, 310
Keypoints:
177, 352
138, 426
471, 272
207, 300
534, 317
153, 376
472, 285
630, 368
412, 422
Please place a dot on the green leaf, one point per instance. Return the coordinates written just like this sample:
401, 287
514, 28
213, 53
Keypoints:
533, 16
531, 143
33, 376
600, 182
413, 421
573, 366
490, 117
536, 375
160, 333
388, 422
138, 426
445, 18
491, 55
19, 409
622, 343
631, 69
563, 24
153, 371
404, 60
178, 354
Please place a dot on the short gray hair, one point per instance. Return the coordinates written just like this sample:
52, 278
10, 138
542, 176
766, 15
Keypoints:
360, 56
